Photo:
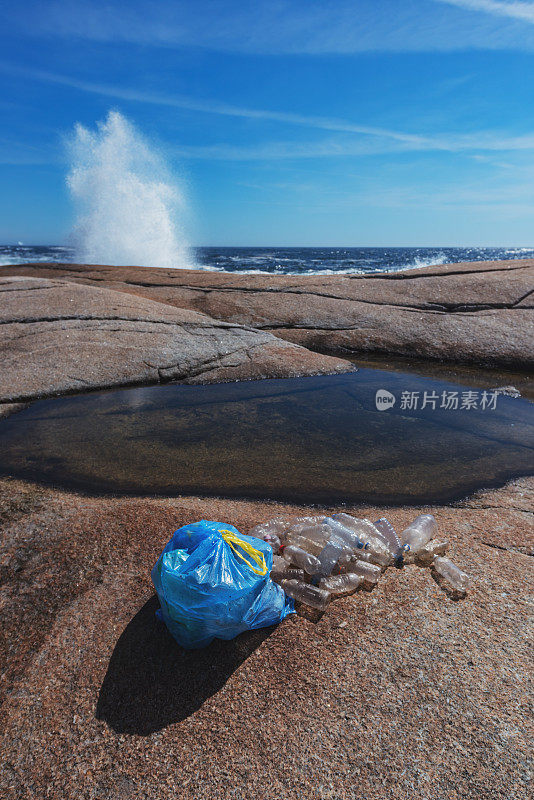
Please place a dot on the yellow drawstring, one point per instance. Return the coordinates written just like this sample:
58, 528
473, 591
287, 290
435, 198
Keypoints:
256, 555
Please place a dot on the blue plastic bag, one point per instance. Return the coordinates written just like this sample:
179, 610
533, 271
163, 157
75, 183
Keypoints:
214, 582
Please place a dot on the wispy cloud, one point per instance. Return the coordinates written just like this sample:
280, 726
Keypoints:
336, 147
311, 27
276, 151
213, 107
513, 10
357, 139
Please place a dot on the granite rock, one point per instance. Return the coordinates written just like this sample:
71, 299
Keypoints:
57, 336
401, 692
480, 312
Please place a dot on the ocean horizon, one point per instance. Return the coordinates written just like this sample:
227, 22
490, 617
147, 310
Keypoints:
288, 260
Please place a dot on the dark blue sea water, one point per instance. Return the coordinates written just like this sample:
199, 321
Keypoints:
298, 260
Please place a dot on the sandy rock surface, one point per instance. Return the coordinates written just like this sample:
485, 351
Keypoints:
399, 693
480, 312
57, 336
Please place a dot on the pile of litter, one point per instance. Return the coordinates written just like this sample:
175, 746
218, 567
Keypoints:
214, 582
317, 559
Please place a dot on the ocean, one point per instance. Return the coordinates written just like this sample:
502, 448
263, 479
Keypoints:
297, 260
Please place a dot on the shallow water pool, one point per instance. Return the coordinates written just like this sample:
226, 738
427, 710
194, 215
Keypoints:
311, 440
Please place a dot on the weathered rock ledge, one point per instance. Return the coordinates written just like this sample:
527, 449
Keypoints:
58, 336
399, 693
479, 313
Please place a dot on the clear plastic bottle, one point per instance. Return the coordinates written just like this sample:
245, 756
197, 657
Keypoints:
418, 533
330, 555
426, 554
302, 541
305, 593
318, 533
366, 556
271, 532
300, 558
340, 585
390, 536
276, 526
353, 565
289, 572
279, 564
361, 534
348, 528
451, 573
300, 525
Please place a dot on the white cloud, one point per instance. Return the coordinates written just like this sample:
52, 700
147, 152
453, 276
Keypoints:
275, 151
513, 10
215, 107
310, 27
358, 138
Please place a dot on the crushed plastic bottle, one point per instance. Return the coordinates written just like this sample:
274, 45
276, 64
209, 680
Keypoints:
346, 531
303, 525
361, 534
300, 526
341, 585
418, 533
330, 555
451, 573
435, 547
353, 565
306, 593
300, 558
370, 558
391, 537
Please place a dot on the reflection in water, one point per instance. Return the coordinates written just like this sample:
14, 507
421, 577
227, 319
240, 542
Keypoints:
306, 439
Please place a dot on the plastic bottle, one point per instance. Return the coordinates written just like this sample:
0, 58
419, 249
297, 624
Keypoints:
370, 558
317, 533
353, 565
305, 593
277, 526
330, 555
348, 528
279, 564
300, 558
289, 572
435, 547
340, 585
306, 544
301, 525
451, 573
361, 534
418, 533
271, 532
390, 536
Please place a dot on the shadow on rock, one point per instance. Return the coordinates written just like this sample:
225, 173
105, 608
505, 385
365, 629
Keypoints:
152, 682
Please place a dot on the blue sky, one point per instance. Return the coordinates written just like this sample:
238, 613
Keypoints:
393, 122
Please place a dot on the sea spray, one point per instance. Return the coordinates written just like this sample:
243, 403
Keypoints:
127, 207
